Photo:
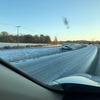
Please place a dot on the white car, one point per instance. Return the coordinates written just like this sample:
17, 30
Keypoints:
65, 48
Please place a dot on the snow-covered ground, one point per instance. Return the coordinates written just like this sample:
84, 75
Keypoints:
23, 54
13, 55
47, 64
22, 44
49, 68
73, 45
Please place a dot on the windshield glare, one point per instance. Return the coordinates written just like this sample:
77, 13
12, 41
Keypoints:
53, 41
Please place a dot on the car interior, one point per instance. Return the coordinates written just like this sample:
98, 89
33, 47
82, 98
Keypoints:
49, 49
16, 85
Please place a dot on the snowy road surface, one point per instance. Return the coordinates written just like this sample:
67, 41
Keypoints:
49, 68
97, 69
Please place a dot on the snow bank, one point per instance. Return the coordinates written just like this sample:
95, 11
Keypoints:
22, 44
15, 55
74, 45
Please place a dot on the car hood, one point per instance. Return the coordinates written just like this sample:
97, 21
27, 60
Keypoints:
83, 79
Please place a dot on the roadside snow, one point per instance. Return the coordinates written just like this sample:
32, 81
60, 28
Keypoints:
49, 68
23, 54
74, 45
13, 55
22, 44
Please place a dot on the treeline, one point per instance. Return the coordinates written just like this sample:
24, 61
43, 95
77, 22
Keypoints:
81, 41
6, 37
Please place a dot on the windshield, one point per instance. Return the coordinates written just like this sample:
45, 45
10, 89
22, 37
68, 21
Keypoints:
52, 39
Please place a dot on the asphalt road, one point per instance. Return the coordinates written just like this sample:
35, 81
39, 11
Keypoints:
49, 68
97, 61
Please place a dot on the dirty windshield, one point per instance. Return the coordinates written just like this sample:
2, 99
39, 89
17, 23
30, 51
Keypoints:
51, 39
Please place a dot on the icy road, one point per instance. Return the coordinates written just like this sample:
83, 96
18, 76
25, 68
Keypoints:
49, 68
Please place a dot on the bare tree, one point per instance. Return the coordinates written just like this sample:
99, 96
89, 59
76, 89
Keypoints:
55, 41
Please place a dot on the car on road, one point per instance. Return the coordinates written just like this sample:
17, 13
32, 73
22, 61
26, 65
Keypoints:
64, 48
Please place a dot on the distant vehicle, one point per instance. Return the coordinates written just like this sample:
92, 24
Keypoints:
65, 48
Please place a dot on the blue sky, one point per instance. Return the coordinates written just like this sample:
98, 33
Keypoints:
46, 17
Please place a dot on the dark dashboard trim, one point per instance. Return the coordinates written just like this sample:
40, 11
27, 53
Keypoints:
6, 64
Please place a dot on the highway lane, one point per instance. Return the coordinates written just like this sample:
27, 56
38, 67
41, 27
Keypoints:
49, 68
97, 70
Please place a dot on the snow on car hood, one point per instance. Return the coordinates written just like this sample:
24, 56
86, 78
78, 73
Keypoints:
84, 79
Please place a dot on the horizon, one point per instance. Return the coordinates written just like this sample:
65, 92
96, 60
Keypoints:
93, 39
76, 40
